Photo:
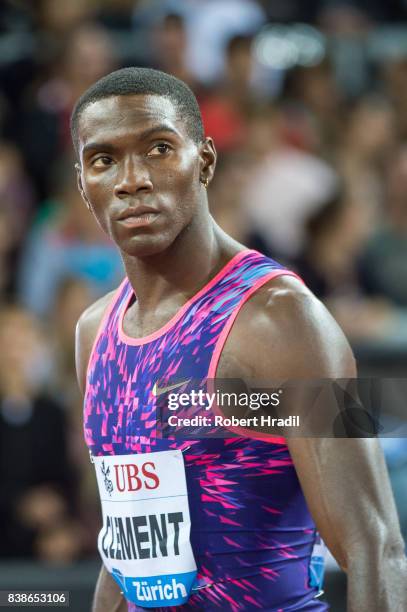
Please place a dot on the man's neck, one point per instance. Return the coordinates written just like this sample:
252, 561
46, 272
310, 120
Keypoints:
187, 265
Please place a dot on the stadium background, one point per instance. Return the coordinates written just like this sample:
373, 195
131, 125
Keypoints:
307, 104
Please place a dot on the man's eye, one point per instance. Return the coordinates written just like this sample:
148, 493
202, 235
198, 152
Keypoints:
102, 161
159, 149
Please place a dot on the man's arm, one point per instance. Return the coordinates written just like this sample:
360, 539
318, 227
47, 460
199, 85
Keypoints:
345, 481
108, 597
346, 486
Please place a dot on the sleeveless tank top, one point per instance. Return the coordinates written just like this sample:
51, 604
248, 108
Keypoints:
248, 513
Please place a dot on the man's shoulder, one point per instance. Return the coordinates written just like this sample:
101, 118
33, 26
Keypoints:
286, 305
86, 330
284, 329
91, 318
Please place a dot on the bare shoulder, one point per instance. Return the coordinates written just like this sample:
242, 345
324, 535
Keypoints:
86, 330
314, 342
285, 331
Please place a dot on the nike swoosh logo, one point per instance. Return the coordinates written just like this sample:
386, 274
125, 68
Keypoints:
160, 390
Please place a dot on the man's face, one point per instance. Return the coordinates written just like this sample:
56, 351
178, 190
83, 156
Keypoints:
140, 171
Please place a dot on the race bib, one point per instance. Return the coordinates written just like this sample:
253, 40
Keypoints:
144, 542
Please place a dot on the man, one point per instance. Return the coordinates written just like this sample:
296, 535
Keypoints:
207, 307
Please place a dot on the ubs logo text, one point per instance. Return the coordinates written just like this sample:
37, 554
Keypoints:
131, 477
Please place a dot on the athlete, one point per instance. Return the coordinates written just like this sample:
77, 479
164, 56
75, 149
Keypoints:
213, 523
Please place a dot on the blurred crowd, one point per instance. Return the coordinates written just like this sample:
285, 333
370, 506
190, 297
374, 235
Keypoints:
306, 102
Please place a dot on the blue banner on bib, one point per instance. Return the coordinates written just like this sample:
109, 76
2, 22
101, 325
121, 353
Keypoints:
156, 591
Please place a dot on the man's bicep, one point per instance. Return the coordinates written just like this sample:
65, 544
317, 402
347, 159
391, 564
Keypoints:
346, 485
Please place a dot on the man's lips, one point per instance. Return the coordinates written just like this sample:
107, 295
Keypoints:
135, 211
139, 220
140, 216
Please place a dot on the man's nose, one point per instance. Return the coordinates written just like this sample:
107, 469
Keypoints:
132, 178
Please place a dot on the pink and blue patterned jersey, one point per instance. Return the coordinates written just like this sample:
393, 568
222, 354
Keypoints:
251, 531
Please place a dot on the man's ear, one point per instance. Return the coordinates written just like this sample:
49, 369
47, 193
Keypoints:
208, 156
80, 186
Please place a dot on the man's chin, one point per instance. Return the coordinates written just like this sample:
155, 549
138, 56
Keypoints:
143, 246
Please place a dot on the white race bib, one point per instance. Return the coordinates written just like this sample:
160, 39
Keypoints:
144, 542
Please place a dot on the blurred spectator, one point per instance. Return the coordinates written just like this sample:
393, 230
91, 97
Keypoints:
85, 55
300, 128
36, 477
336, 235
169, 42
225, 109
316, 90
384, 261
284, 188
16, 203
224, 195
367, 141
66, 242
